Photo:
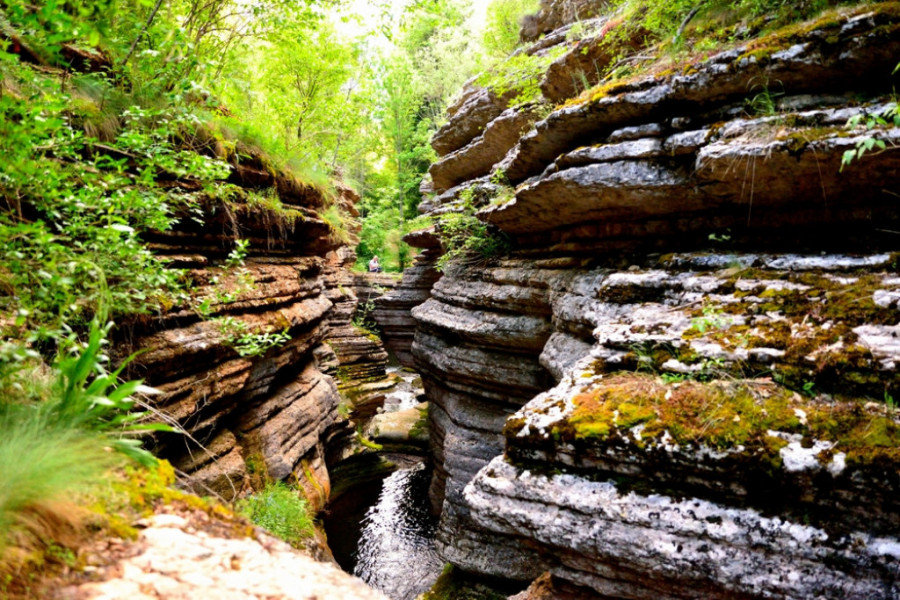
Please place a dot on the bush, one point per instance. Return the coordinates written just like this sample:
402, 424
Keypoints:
501, 33
279, 510
466, 238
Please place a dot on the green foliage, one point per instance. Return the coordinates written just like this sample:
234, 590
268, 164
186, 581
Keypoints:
48, 25
420, 222
75, 207
764, 102
712, 319
238, 254
337, 220
299, 97
520, 73
466, 239
89, 397
871, 143
279, 510
56, 427
249, 343
432, 54
501, 33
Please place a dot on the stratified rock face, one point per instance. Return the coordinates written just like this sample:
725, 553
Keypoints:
704, 178
392, 311
289, 429
749, 491
210, 389
763, 458
353, 354
249, 408
582, 64
718, 428
691, 315
477, 347
628, 545
477, 158
467, 118
555, 14
834, 57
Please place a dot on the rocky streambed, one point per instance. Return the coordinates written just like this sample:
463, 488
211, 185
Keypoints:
379, 524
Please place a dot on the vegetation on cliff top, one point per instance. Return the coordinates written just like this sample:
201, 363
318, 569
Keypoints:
646, 38
644, 410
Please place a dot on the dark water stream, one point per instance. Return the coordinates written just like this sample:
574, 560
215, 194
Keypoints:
381, 529
395, 551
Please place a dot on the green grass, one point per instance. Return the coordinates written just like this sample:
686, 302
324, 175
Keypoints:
338, 222
281, 511
43, 466
235, 131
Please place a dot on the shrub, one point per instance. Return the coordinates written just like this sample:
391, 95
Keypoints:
466, 238
501, 32
279, 510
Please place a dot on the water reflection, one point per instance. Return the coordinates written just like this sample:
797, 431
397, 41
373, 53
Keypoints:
396, 551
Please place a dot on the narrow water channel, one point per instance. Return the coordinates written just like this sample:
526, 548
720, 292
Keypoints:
396, 552
381, 529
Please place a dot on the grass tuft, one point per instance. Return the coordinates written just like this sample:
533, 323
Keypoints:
42, 467
281, 511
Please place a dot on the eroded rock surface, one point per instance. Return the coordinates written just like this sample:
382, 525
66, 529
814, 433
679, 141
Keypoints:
674, 249
173, 560
625, 544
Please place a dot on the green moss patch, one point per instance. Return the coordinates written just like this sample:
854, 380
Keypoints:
724, 415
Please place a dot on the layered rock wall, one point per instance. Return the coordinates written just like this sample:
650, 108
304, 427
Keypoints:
392, 311
252, 409
713, 300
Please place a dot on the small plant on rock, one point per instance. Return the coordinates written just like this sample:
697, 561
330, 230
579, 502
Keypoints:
466, 238
281, 511
871, 143
247, 343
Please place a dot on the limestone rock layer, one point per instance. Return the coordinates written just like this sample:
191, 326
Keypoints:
680, 383
247, 365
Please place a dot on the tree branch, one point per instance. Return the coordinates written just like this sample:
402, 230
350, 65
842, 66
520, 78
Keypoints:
143, 31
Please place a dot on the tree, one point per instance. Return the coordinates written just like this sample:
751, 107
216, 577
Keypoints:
306, 77
501, 35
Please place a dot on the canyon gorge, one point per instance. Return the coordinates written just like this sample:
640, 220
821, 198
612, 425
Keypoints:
675, 381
